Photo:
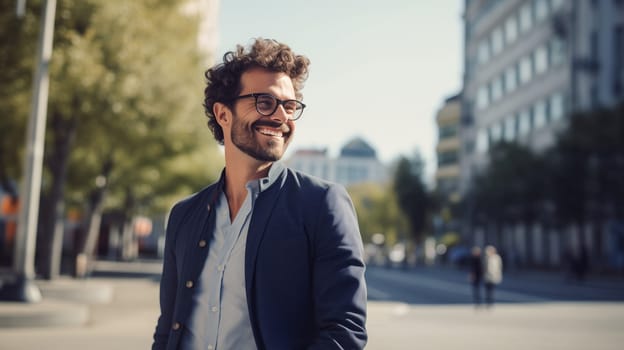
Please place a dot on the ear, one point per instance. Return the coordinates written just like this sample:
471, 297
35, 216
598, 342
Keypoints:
222, 113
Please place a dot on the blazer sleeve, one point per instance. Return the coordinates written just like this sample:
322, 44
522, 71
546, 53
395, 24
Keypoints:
168, 282
338, 275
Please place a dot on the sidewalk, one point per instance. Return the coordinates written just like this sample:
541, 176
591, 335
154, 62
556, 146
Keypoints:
128, 320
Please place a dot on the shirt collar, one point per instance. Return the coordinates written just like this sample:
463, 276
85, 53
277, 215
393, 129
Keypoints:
261, 184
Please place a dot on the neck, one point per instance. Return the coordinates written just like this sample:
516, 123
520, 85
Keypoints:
239, 171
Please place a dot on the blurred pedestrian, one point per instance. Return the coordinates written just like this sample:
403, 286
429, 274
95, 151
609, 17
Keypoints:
9, 211
267, 257
475, 275
569, 263
581, 265
493, 273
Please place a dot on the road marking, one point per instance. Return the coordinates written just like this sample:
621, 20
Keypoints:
376, 293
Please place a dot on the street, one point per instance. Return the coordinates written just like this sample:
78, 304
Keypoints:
431, 308
421, 308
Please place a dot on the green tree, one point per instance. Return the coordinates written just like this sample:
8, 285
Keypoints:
411, 194
587, 167
511, 187
18, 38
378, 212
125, 110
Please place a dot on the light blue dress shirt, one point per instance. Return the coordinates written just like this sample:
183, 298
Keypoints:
220, 317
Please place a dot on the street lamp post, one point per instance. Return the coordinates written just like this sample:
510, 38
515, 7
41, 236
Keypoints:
22, 287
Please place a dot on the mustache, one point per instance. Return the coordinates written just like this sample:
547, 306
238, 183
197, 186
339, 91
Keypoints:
272, 124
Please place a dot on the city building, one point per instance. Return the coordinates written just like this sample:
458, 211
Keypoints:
448, 149
357, 163
528, 66
447, 172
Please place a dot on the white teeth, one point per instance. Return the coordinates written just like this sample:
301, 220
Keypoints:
270, 132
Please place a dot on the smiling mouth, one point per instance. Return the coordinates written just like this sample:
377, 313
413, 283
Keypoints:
272, 129
270, 132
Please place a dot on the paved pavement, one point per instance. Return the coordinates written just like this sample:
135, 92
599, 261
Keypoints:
127, 322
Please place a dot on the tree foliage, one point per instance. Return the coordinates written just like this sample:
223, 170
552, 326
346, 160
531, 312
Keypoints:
411, 194
511, 188
125, 106
18, 38
579, 178
378, 212
587, 167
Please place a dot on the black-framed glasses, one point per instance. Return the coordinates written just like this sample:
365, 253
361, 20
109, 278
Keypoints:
266, 104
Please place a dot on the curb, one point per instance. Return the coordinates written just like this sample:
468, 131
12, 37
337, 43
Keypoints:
43, 314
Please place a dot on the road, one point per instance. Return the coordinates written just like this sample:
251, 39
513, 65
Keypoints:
422, 308
431, 308
448, 285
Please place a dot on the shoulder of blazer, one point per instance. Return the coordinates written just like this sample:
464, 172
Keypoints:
307, 182
193, 204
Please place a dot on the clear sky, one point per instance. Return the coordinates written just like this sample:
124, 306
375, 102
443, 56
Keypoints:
380, 69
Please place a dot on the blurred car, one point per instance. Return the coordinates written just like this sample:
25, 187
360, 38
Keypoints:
459, 255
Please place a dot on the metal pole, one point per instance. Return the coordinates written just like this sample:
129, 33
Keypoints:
20, 9
23, 287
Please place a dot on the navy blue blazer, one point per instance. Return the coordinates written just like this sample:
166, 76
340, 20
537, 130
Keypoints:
304, 270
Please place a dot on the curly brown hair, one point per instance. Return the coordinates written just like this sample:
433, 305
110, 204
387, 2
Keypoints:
223, 80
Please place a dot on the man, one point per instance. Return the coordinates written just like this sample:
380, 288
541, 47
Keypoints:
476, 274
267, 257
493, 273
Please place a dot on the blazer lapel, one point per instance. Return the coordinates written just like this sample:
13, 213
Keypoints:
263, 209
197, 246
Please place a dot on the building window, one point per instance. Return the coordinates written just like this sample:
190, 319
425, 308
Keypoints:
594, 45
510, 128
541, 9
556, 52
511, 78
496, 133
524, 122
556, 106
593, 95
447, 158
556, 4
526, 18
526, 69
482, 141
483, 54
482, 97
541, 60
511, 29
539, 115
447, 131
497, 41
497, 89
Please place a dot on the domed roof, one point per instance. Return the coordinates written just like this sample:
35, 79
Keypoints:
357, 147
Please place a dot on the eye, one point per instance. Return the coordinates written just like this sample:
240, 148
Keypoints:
265, 102
290, 106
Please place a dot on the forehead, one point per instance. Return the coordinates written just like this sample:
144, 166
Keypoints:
258, 80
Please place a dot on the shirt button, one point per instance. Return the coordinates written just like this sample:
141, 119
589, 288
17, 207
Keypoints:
189, 284
220, 268
214, 309
208, 207
176, 326
210, 347
202, 243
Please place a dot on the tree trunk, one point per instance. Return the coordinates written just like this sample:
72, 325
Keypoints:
85, 254
53, 209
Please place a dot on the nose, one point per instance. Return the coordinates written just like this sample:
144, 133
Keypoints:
280, 114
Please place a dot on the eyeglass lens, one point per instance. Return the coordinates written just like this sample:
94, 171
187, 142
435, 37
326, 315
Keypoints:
267, 105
